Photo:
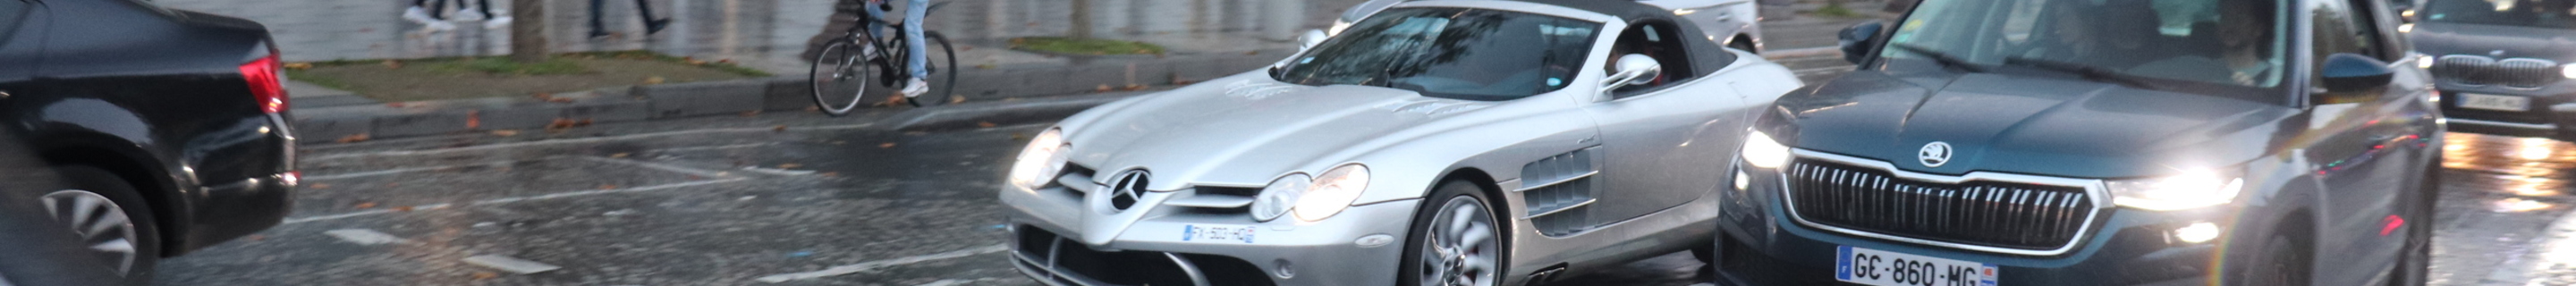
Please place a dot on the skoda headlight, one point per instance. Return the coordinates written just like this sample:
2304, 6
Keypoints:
2188, 190
2568, 70
1332, 192
1039, 162
1279, 196
1761, 151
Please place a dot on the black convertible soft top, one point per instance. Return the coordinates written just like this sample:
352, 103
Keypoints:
1706, 56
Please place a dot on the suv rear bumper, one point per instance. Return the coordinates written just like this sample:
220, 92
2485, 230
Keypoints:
2552, 113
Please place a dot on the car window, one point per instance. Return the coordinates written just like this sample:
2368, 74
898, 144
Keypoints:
2339, 30
1659, 40
2558, 14
1474, 54
2226, 42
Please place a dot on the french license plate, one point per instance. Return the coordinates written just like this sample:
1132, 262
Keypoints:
1885, 268
1216, 233
2494, 102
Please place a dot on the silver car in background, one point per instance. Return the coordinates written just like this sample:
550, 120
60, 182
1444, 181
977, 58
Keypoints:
1732, 23
1436, 143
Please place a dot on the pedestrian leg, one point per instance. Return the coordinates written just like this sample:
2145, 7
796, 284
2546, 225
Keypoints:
644, 10
597, 28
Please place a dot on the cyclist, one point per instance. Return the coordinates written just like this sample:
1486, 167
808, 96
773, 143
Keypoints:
915, 52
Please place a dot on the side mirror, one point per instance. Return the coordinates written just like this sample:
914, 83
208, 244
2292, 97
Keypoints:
1311, 38
1857, 40
2349, 77
1634, 69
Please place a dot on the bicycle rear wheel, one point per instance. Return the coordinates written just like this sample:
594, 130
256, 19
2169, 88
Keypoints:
943, 72
838, 77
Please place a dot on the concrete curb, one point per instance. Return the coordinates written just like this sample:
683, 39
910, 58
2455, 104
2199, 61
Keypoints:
975, 115
995, 95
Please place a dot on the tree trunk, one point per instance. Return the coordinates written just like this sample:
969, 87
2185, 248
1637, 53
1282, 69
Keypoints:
528, 31
1080, 27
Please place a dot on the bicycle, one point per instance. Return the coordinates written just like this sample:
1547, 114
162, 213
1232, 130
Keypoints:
844, 69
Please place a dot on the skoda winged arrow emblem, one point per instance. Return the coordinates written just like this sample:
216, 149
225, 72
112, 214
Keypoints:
1933, 155
1129, 188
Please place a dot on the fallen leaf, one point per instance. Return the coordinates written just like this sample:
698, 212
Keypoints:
299, 66
402, 208
839, 142
394, 104
1254, 52
256, 237
1143, 51
352, 138
505, 132
1103, 88
473, 119
790, 165
619, 155
751, 113
830, 174
482, 275
886, 145
558, 100
984, 124
318, 186
653, 80
984, 66
393, 64
1135, 87
780, 128
607, 186
366, 205
956, 99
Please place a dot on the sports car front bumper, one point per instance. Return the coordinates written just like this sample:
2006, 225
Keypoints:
1359, 246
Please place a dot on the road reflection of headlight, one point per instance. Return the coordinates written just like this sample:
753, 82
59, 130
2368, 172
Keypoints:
1279, 196
1039, 162
2188, 190
1761, 151
1332, 192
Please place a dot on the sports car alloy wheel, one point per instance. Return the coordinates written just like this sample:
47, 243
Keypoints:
99, 222
1461, 247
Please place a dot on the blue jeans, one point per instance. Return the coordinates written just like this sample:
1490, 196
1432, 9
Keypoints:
916, 52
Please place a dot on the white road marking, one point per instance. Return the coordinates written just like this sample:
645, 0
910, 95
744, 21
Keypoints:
873, 265
661, 166
297, 220
589, 140
362, 236
717, 147
1801, 53
516, 199
781, 172
408, 170
1822, 70
512, 265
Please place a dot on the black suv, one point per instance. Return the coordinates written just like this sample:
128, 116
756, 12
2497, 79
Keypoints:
2504, 66
169, 126
2098, 142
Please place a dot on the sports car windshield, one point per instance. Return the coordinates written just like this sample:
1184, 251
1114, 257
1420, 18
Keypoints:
2187, 42
2557, 14
1472, 54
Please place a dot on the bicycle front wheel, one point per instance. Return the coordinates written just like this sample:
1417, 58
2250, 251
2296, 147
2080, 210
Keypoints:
943, 72
838, 78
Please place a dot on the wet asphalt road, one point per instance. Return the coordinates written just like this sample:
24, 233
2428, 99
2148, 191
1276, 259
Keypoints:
730, 200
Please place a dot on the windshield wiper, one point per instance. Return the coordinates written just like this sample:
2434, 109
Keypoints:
2087, 71
1938, 56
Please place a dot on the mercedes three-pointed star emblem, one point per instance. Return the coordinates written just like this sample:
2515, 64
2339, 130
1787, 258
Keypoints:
1129, 188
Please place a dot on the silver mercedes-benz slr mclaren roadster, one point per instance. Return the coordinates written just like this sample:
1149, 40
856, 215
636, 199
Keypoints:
1434, 143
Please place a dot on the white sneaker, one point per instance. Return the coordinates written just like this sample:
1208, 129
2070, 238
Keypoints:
440, 26
417, 15
497, 22
915, 87
467, 13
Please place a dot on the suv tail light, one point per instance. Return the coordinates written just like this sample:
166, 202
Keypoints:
267, 83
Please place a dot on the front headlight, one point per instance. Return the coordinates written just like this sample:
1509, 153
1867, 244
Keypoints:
1039, 162
2189, 190
1332, 192
1761, 151
2569, 71
1338, 26
1279, 196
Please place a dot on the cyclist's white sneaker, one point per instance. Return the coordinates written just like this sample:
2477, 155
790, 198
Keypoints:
418, 15
499, 19
915, 87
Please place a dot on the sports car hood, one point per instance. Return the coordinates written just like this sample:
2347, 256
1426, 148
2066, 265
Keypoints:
1245, 130
2028, 125
2437, 39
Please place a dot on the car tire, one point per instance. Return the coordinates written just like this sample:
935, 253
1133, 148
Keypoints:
1705, 253
2283, 263
1470, 246
1747, 46
141, 240
2414, 263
